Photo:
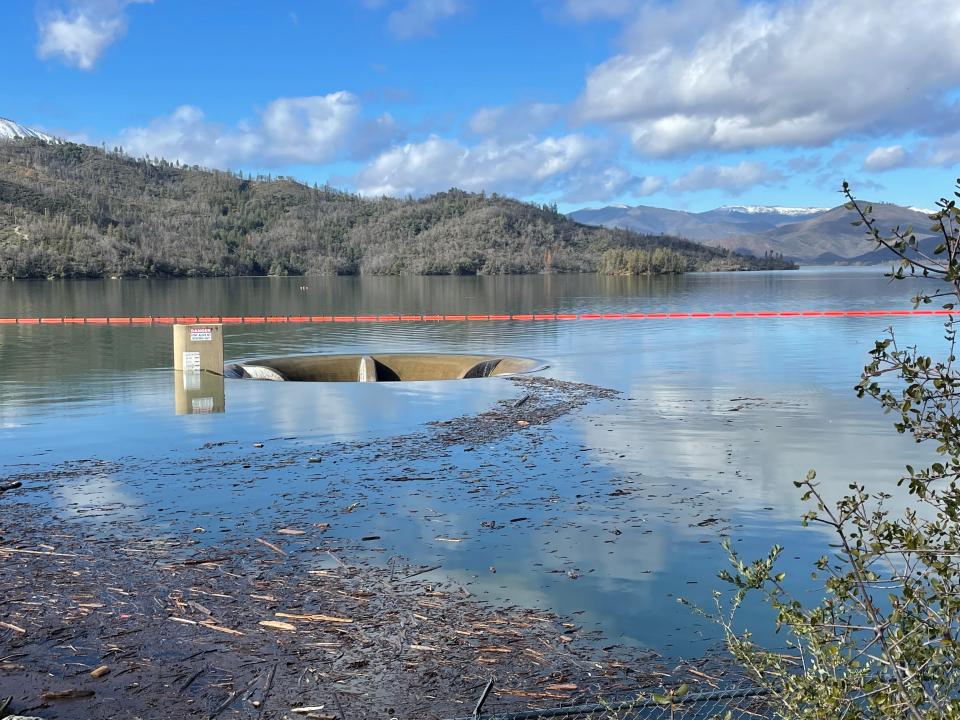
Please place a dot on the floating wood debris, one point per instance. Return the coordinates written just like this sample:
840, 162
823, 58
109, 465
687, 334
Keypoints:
277, 625
203, 625
270, 545
314, 617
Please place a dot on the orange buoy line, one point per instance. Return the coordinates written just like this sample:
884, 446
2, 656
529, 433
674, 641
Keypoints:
273, 319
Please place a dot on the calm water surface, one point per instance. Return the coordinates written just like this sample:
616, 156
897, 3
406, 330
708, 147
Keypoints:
718, 418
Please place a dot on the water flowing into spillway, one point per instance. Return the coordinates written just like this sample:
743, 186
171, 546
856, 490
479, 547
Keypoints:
381, 368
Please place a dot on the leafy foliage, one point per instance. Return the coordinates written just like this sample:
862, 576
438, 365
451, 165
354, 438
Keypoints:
71, 210
884, 641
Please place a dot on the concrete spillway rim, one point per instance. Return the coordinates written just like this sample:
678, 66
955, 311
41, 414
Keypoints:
382, 367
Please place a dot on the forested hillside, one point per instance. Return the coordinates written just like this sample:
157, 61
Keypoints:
70, 210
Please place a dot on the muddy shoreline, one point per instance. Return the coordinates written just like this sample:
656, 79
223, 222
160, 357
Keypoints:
257, 622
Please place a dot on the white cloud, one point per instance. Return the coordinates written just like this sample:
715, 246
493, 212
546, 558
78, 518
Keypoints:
670, 134
732, 179
609, 182
418, 17
945, 152
885, 158
313, 129
514, 121
941, 152
186, 135
647, 186
798, 73
373, 135
519, 167
308, 129
79, 37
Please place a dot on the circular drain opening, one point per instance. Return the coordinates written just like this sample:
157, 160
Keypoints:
393, 367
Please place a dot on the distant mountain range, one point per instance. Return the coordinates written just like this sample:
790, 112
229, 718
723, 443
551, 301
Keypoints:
807, 235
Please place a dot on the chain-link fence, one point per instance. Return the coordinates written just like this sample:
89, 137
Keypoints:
736, 701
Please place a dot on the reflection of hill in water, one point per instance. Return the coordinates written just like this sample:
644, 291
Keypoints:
323, 295
80, 364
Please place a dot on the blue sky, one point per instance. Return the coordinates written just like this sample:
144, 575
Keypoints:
689, 104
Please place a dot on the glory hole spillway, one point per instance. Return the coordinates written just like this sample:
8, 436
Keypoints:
391, 367
200, 369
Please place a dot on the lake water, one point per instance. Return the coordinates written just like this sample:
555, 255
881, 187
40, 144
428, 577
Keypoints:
718, 417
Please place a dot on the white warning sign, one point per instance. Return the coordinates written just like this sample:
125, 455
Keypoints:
191, 362
201, 334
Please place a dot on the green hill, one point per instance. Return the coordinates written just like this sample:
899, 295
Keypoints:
70, 210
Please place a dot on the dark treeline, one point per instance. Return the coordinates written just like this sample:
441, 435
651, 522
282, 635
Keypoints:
659, 261
667, 260
70, 210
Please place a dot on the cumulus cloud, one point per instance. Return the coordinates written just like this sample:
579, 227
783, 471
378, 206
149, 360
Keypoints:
671, 134
732, 179
609, 182
313, 129
885, 158
80, 36
418, 18
308, 129
641, 187
940, 152
186, 135
798, 73
675, 24
519, 167
514, 121
945, 152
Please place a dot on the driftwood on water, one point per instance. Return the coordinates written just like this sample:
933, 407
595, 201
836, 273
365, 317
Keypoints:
291, 623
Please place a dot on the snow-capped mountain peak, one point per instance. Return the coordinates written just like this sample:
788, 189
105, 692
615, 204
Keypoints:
10, 130
771, 210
